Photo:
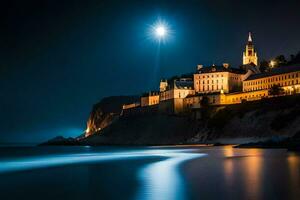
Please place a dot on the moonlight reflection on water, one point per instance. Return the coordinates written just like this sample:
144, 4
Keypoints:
162, 180
159, 180
176, 172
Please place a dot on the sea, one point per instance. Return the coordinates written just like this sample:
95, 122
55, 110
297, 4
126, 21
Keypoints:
148, 172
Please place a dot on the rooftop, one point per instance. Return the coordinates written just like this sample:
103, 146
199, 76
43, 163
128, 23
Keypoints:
184, 84
275, 71
151, 93
202, 94
213, 69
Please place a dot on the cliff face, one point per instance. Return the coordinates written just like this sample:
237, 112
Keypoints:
147, 130
106, 111
242, 123
270, 118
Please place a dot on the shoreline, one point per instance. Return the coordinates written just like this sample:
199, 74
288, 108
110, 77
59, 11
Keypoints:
254, 145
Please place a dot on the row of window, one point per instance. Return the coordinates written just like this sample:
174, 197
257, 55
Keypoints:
216, 81
154, 102
168, 95
237, 99
261, 87
237, 78
208, 88
272, 79
211, 76
212, 82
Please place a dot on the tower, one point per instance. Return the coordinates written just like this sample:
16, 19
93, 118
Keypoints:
163, 85
250, 55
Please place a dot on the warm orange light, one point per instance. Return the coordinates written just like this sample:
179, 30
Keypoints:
272, 63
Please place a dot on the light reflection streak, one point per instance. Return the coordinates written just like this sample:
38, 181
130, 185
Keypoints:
162, 180
253, 173
29, 163
294, 172
228, 165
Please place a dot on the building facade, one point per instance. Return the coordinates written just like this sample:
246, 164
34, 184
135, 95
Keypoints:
149, 99
218, 78
179, 89
172, 97
132, 105
287, 77
240, 97
163, 85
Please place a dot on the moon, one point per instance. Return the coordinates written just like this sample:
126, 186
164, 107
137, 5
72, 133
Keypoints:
160, 31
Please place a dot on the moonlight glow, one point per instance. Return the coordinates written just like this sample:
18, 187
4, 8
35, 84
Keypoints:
160, 31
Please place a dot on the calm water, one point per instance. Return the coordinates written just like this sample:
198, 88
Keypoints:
186, 172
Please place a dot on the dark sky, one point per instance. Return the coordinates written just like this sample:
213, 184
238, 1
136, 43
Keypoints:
58, 58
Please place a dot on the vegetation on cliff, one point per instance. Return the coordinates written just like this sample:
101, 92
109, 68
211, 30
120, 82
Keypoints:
266, 118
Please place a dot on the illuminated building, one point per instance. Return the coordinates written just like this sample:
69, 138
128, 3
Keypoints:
219, 78
172, 97
287, 77
178, 89
149, 99
250, 55
163, 85
222, 85
131, 105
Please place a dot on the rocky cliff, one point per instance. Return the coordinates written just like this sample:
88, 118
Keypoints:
106, 111
247, 122
269, 119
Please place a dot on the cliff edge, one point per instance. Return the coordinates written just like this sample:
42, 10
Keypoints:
269, 119
233, 124
106, 111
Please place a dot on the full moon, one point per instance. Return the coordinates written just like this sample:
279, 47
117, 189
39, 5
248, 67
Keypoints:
160, 31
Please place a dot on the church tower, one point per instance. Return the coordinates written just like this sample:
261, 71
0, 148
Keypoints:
250, 55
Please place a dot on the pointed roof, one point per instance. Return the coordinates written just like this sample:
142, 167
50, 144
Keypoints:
249, 37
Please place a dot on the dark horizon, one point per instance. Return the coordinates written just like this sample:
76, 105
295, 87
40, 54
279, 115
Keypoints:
58, 58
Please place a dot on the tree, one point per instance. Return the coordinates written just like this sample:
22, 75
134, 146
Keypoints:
205, 108
276, 90
204, 101
295, 59
264, 66
280, 60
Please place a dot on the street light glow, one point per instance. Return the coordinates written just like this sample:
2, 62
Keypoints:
272, 63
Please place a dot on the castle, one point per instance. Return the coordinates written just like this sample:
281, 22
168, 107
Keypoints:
220, 85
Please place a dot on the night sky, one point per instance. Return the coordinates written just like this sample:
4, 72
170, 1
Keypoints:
58, 58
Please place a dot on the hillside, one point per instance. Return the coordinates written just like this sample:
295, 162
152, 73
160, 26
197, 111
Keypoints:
146, 130
268, 119
276, 117
106, 111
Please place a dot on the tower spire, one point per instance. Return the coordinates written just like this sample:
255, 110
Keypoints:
249, 37
250, 55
